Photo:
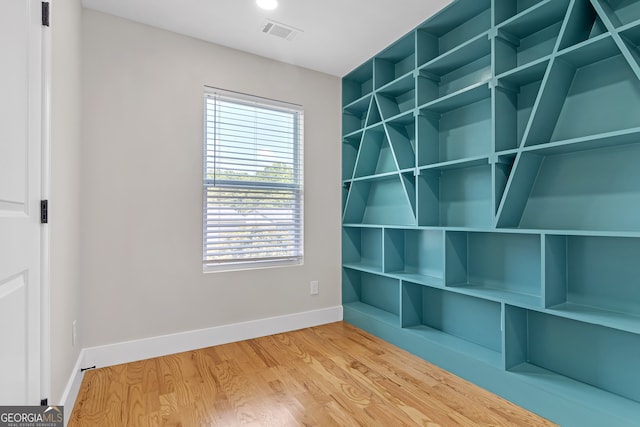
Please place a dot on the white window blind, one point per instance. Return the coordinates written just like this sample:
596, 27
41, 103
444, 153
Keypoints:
253, 198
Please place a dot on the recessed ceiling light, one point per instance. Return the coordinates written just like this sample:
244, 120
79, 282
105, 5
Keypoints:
267, 4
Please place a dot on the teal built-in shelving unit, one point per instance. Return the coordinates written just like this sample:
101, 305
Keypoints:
491, 174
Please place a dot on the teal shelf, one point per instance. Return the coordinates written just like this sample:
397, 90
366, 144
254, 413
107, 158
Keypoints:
460, 322
597, 316
605, 140
560, 345
504, 10
380, 201
470, 51
463, 163
415, 255
350, 148
375, 155
621, 12
373, 312
458, 23
491, 192
584, 89
529, 36
362, 248
401, 131
398, 97
354, 115
357, 83
463, 97
594, 279
457, 345
606, 199
372, 294
396, 61
457, 134
525, 74
502, 267
459, 197
613, 409
515, 96
456, 71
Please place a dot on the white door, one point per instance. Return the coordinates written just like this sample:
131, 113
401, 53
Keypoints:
20, 174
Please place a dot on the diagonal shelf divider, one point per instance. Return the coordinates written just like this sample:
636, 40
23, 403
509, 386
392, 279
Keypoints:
611, 22
583, 23
556, 108
374, 116
402, 147
555, 85
491, 191
376, 156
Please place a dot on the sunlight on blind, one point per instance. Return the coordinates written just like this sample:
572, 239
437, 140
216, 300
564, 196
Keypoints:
253, 199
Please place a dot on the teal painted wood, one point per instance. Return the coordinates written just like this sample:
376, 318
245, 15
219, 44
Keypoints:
396, 61
555, 270
506, 9
358, 84
491, 199
453, 26
603, 272
459, 133
529, 37
362, 247
514, 336
471, 319
415, 255
465, 197
375, 156
582, 24
608, 82
514, 99
592, 354
381, 292
518, 188
625, 11
350, 148
606, 198
508, 262
565, 401
388, 204
457, 197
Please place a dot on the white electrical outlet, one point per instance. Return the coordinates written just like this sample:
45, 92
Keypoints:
314, 287
74, 333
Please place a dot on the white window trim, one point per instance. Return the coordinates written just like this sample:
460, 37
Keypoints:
255, 264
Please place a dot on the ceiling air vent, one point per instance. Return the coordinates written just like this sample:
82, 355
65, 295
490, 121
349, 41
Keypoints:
280, 30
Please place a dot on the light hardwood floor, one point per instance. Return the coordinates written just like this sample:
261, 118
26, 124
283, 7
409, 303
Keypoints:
330, 375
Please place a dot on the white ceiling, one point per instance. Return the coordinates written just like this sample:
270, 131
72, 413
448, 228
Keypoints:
337, 36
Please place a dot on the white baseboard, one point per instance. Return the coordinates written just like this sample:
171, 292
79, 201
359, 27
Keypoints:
70, 393
131, 351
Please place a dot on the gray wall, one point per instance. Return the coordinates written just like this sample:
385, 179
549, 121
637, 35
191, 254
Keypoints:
64, 209
141, 185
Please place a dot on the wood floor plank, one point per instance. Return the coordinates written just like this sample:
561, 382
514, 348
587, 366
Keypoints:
330, 375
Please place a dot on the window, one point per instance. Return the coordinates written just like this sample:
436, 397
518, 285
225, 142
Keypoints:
253, 192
